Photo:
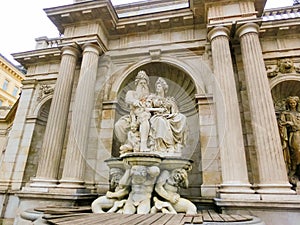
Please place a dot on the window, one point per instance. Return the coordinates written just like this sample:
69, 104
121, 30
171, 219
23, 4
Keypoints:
15, 91
5, 84
1, 102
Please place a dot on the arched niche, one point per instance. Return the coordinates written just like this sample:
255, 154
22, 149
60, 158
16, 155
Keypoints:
37, 140
183, 89
282, 90
181, 86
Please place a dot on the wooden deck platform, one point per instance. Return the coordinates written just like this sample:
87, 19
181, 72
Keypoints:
64, 216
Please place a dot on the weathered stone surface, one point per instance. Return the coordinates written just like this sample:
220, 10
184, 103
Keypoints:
255, 66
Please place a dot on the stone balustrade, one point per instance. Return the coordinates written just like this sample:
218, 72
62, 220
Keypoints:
45, 42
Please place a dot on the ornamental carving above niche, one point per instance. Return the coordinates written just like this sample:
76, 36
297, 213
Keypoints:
44, 91
283, 66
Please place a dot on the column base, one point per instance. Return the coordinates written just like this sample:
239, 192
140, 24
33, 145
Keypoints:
43, 183
275, 210
284, 189
71, 184
209, 190
236, 189
298, 188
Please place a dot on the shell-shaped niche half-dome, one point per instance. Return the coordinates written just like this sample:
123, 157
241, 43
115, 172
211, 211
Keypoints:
282, 90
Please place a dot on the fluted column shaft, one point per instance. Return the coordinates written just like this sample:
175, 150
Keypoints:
272, 171
74, 166
52, 146
233, 159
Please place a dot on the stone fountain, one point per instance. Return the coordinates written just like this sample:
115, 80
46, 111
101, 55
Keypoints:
150, 171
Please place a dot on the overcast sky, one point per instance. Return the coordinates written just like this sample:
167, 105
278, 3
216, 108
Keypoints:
24, 20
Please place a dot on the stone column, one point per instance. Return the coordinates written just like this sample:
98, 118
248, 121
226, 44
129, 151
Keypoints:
52, 146
233, 159
272, 171
74, 167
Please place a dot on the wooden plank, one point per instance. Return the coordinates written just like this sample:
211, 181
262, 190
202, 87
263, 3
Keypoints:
50, 216
215, 216
63, 218
197, 219
240, 218
149, 219
187, 219
206, 216
128, 220
63, 210
163, 220
86, 220
176, 218
67, 221
227, 218
248, 217
115, 220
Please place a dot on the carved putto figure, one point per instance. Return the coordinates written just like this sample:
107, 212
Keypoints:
155, 123
289, 128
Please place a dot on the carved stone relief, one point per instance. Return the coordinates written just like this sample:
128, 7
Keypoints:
45, 90
154, 123
283, 66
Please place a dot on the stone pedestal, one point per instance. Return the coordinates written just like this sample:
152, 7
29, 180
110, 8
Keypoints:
149, 183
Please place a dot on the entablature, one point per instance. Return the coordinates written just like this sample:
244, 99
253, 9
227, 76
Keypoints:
280, 21
39, 55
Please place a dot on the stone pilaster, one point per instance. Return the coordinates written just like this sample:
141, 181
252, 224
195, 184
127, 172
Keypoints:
272, 171
210, 154
233, 159
48, 167
10, 176
72, 176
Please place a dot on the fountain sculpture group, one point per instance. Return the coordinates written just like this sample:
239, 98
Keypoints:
150, 171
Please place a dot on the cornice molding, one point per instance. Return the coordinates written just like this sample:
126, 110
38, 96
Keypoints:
10, 69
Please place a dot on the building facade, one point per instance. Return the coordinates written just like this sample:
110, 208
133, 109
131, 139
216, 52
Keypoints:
231, 67
11, 83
